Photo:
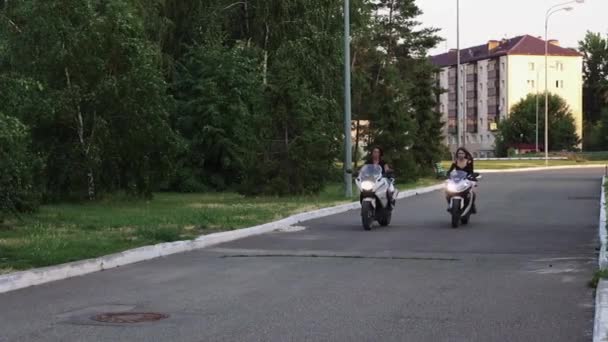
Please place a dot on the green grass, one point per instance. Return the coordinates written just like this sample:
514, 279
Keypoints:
515, 164
69, 232
596, 278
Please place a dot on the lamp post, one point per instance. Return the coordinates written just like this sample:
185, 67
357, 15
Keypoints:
459, 121
552, 10
348, 180
537, 86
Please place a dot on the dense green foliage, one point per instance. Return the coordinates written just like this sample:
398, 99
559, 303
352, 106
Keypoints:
194, 95
19, 166
595, 91
520, 126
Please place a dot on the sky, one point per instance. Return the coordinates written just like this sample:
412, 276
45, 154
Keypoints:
483, 20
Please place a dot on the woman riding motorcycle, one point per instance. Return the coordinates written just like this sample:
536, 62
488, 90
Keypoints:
376, 159
464, 162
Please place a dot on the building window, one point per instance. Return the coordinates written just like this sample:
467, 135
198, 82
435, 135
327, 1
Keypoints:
559, 66
480, 85
531, 66
502, 65
531, 84
559, 84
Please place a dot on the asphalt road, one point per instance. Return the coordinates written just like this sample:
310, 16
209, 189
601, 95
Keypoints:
517, 272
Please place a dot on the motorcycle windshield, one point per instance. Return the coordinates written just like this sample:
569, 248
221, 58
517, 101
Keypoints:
458, 176
370, 171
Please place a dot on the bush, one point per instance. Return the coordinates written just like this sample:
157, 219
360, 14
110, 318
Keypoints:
17, 169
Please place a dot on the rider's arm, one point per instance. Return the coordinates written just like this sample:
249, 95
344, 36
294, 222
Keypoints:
469, 167
452, 168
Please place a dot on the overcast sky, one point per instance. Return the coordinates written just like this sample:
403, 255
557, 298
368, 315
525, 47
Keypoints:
483, 20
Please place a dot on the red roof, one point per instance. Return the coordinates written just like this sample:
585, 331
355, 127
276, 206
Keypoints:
522, 45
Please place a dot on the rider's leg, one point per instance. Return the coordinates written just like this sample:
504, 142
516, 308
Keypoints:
390, 194
474, 207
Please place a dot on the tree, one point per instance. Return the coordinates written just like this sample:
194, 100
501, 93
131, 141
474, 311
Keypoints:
395, 88
598, 134
121, 95
520, 126
595, 72
219, 106
18, 166
85, 71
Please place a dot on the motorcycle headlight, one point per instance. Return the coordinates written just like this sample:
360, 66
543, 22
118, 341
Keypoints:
452, 187
367, 185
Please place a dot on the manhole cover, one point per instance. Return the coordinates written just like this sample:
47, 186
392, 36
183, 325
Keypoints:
129, 317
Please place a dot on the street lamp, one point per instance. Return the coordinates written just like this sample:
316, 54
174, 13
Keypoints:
459, 125
552, 10
348, 181
537, 86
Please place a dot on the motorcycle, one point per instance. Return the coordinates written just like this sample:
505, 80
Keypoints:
460, 196
375, 189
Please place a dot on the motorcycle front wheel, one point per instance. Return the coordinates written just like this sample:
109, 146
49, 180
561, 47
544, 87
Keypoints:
367, 215
455, 211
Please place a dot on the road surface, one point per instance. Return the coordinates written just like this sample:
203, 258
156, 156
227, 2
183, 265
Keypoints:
517, 272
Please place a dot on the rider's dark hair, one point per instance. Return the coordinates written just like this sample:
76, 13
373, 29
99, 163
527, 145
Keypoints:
467, 154
379, 150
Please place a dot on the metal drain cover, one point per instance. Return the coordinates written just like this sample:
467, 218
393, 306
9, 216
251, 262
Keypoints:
129, 317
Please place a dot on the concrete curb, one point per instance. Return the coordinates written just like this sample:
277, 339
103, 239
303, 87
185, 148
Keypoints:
544, 168
600, 326
38, 276
600, 333
603, 233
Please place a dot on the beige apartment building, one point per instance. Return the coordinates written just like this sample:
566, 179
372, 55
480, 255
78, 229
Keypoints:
498, 75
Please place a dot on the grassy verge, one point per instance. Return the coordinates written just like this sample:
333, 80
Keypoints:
515, 164
69, 232
597, 277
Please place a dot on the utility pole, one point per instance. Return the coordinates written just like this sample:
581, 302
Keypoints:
348, 179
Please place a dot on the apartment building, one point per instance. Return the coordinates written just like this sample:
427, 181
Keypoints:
497, 75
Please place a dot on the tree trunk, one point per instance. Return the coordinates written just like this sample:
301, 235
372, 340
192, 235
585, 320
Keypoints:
265, 65
390, 30
246, 5
86, 148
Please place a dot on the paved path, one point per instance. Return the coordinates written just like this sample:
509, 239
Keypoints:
518, 272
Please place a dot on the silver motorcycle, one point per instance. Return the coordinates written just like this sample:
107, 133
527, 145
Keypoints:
460, 196
377, 196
